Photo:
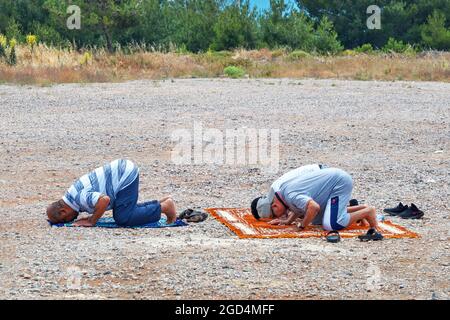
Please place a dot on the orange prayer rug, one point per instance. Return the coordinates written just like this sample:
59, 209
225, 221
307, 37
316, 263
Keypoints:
244, 225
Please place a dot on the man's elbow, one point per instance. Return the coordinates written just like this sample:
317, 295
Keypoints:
104, 201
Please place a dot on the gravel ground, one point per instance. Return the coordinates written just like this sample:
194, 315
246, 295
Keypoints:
394, 138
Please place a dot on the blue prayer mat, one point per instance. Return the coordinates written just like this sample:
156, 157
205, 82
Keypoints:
108, 222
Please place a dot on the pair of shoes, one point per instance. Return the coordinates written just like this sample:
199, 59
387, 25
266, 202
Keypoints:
405, 211
191, 215
371, 234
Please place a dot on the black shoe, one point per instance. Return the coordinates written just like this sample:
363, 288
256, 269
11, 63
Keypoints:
396, 210
371, 234
185, 214
412, 213
353, 203
191, 215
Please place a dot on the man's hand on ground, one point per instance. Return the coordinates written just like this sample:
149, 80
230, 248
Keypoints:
279, 222
85, 222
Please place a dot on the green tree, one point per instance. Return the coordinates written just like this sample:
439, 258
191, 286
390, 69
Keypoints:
400, 19
282, 25
196, 25
235, 27
103, 22
48, 34
154, 22
13, 30
192, 23
434, 33
6, 13
325, 39
348, 17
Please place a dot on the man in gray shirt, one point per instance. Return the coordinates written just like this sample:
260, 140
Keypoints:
264, 203
324, 192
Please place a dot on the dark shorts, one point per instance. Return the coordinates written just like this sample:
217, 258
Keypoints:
127, 212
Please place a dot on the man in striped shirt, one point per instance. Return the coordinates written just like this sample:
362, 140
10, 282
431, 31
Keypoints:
115, 186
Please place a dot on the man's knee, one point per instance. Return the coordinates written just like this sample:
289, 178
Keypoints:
170, 202
371, 210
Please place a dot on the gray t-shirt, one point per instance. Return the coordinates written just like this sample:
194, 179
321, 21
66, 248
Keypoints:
276, 185
316, 185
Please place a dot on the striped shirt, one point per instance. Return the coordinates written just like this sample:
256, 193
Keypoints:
108, 180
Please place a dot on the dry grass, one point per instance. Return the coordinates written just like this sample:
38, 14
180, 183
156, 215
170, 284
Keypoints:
50, 65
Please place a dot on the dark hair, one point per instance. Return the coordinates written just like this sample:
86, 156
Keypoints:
54, 207
54, 211
253, 207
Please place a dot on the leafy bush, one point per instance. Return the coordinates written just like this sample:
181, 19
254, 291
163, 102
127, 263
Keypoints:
365, 48
234, 72
396, 46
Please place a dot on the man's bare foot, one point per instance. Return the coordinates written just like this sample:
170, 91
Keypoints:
168, 208
171, 218
363, 223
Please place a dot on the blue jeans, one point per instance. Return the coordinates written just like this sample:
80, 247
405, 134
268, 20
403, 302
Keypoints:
127, 212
